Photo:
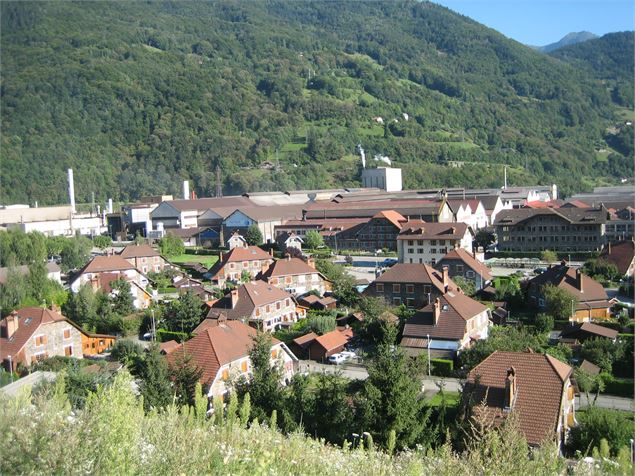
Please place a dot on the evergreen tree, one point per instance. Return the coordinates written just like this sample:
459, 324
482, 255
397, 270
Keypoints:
313, 240
184, 374
185, 313
171, 245
155, 387
122, 300
253, 235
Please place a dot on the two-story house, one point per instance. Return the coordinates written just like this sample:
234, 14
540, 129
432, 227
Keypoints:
421, 242
261, 304
592, 300
221, 350
470, 212
296, 276
463, 264
145, 258
537, 388
288, 241
237, 241
33, 334
239, 260
446, 326
557, 229
102, 271
414, 285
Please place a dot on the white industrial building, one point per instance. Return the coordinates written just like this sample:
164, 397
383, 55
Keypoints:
383, 178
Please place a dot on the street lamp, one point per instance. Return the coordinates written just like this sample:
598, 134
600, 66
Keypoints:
429, 369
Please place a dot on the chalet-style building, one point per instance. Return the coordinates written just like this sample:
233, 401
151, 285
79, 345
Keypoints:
622, 255
427, 243
237, 241
446, 326
311, 301
471, 212
561, 229
295, 276
314, 347
262, 305
231, 265
582, 331
102, 271
414, 285
463, 264
33, 334
380, 232
145, 258
593, 302
536, 387
221, 351
287, 241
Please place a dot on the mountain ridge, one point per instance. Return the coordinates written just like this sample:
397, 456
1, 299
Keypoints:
571, 38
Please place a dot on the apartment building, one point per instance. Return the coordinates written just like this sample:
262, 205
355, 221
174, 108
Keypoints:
427, 243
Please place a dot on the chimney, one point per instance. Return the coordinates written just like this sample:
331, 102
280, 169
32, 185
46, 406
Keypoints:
609, 246
271, 251
110, 205
220, 257
510, 388
446, 279
311, 262
234, 297
437, 311
54, 307
71, 190
12, 324
578, 280
186, 189
221, 319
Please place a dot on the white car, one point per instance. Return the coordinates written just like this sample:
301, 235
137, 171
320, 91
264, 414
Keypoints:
337, 359
348, 354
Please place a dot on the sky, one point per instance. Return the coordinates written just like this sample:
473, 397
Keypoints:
541, 22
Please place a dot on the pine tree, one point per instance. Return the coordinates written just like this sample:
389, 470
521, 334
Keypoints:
155, 387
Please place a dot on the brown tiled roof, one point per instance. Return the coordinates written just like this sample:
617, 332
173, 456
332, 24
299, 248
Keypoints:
138, 251
575, 216
332, 340
414, 273
100, 264
217, 346
169, 346
456, 309
620, 254
305, 340
250, 296
589, 367
432, 231
468, 260
590, 328
564, 277
540, 383
392, 216
238, 255
289, 267
205, 324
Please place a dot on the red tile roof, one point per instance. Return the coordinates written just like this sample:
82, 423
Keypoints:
620, 254
332, 340
540, 381
392, 216
432, 231
588, 327
305, 340
138, 251
100, 264
250, 296
469, 261
564, 277
414, 273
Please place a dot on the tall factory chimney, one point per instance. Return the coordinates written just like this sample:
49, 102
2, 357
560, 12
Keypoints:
71, 190
110, 205
186, 190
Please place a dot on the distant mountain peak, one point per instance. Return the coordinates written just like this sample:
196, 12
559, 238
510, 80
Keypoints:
569, 39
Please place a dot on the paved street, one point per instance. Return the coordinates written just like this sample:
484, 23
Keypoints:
453, 384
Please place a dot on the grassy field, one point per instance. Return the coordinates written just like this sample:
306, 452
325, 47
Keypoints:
205, 260
451, 399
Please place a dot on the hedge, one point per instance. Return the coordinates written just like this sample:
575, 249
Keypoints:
621, 387
577, 256
164, 335
442, 367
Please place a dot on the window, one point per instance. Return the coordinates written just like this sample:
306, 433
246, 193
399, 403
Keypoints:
288, 280
470, 274
68, 351
268, 309
396, 288
40, 341
245, 264
257, 312
433, 261
411, 250
67, 334
286, 302
274, 354
231, 265
433, 242
433, 250
410, 303
379, 287
396, 301
411, 242
226, 374
459, 268
278, 305
410, 288
244, 366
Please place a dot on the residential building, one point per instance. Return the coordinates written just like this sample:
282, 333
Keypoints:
101, 271
33, 334
322, 347
295, 276
463, 264
145, 258
561, 229
621, 224
622, 255
287, 241
582, 331
427, 243
237, 241
311, 301
592, 300
537, 388
261, 304
230, 266
196, 236
221, 351
471, 212
53, 272
380, 232
446, 326
414, 285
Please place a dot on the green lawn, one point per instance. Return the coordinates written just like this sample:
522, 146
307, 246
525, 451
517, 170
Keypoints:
451, 399
206, 260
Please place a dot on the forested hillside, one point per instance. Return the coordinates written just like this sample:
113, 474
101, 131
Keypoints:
137, 96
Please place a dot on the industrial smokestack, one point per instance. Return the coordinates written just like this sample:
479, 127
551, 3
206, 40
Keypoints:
186, 189
110, 205
71, 189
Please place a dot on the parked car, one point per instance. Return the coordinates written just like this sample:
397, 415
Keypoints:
337, 359
389, 261
348, 354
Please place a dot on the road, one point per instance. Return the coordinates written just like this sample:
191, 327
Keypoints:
454, 385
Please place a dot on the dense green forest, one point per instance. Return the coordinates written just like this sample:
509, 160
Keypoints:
137, 96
